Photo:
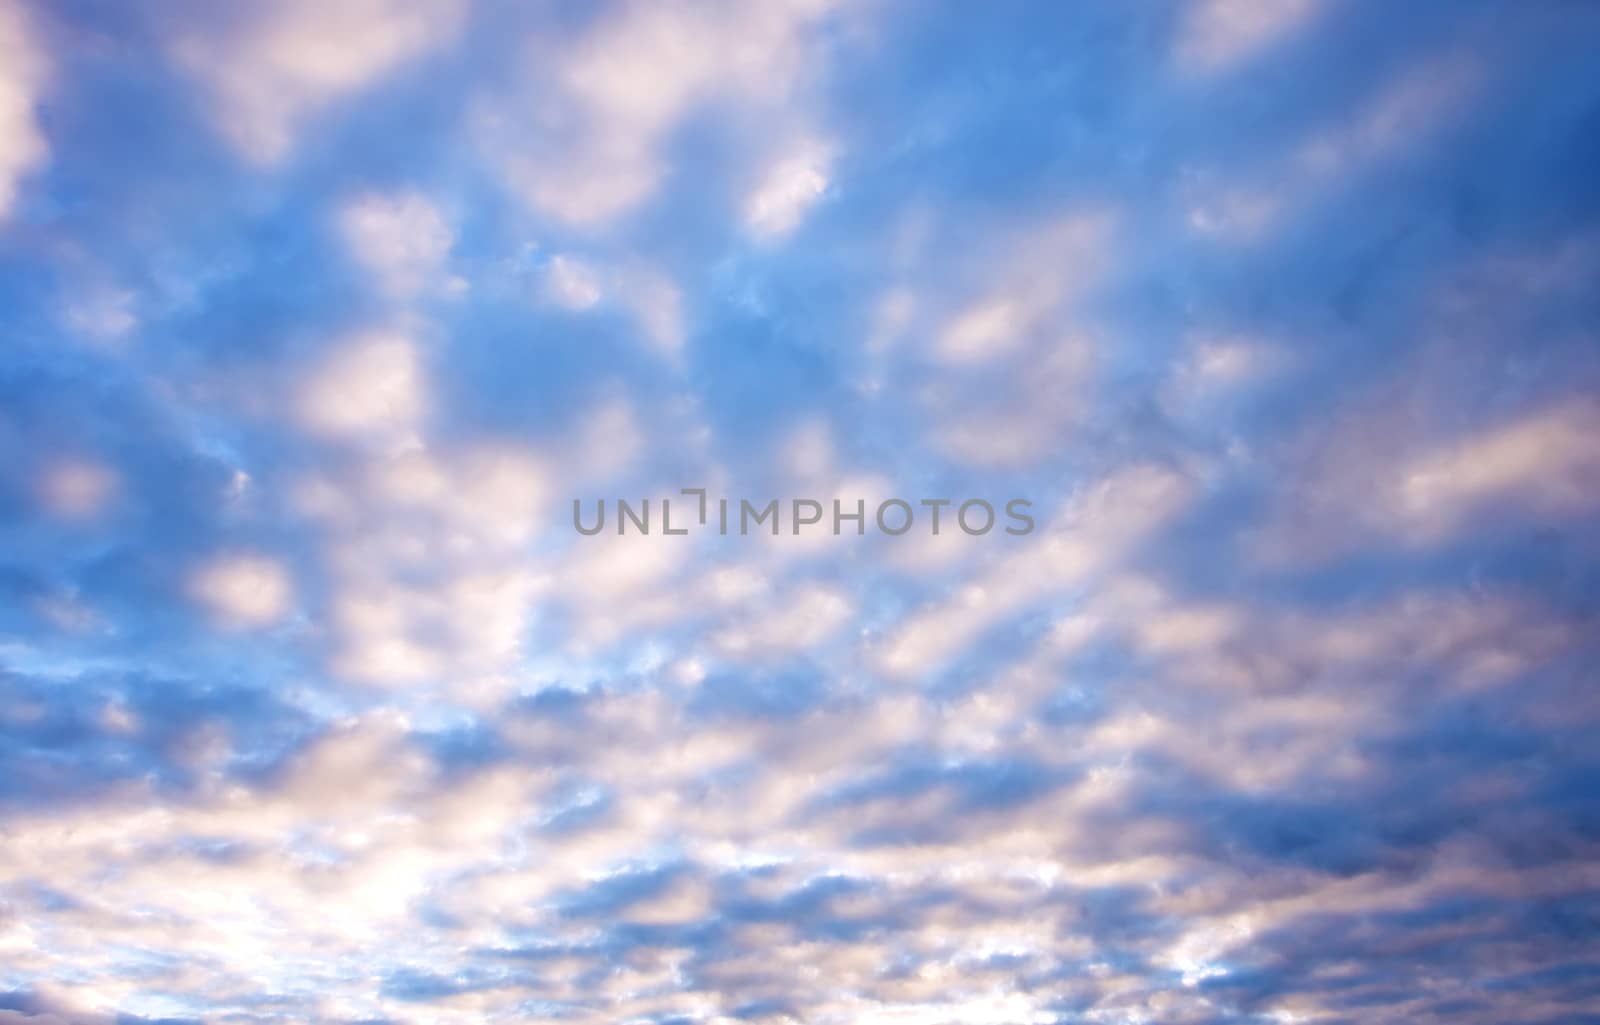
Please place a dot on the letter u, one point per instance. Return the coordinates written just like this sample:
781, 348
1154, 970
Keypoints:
600, 519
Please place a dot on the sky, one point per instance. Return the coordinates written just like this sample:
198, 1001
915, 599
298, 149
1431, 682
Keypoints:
317, 317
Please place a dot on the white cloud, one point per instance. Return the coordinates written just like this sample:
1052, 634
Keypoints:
269, 70
607, 570
1223, 361
1016, 424
1234, 213
392, 632
372, 384
1399, 116
795, 621
1087, 538
1388, 475
788, 190
607, 101
243, 590
648, 296
1218, 34
101, 313
999, 353
571, 283
76, 489
988, 327
23, 68
1047, 267
402, 239
1214, 368
657, 305
808, 452
1546, 463
608, 440
891, 316
497, 494
425, 551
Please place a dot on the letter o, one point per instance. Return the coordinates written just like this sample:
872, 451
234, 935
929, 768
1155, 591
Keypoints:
961, 515
904, 526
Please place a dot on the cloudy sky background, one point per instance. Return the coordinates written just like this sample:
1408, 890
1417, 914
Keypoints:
318, 314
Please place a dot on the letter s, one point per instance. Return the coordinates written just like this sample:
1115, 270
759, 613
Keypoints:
1019, 516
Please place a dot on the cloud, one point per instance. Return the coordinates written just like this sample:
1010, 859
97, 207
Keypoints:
402, 239
1214, 373
101, 313
1044, 268
1390, 476
292, 611
1394, 119
657, 304
999, 353
428, 580
1404, 111
1082, 539
608, 441
649, 297
1216, 35
790, 623
1542, 463
603, 111
271, 70
392, 633
56, 1005
571, 284
23, 147
77, 489
370, 385
788, 190
1027, 408
243, 590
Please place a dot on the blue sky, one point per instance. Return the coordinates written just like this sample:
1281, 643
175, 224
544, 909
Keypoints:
318, 315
